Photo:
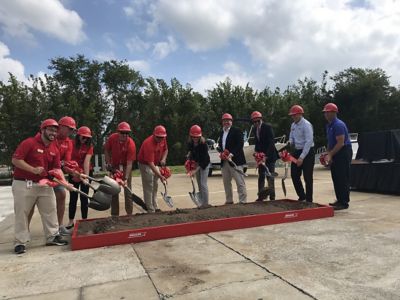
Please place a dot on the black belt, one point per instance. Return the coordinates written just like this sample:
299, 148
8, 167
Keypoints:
302, 149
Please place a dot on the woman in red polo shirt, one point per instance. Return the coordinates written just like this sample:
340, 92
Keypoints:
82, 153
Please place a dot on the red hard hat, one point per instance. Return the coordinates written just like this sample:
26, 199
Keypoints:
67, 121
195, 131
256, 115
84, 131
160, 131
330, 107
295, 110
48, 122
123, 126
227, 116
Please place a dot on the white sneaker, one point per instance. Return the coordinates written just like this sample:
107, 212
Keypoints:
64, 231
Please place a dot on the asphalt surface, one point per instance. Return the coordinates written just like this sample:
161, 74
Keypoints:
354, 255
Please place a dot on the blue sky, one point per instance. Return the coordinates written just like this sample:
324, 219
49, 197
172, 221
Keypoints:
260, 42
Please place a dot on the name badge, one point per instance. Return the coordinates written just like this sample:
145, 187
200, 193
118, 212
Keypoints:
29, 184
40, 150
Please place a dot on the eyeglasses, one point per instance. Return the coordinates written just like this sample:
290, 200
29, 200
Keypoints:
256, 121
124, 132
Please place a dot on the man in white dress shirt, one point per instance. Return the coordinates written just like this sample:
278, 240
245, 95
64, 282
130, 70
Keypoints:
301, 138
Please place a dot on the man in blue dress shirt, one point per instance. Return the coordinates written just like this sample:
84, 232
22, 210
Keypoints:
302, 139
339, 156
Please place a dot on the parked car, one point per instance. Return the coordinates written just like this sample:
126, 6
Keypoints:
248, 149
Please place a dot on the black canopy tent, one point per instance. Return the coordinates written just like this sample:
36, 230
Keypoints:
377, 168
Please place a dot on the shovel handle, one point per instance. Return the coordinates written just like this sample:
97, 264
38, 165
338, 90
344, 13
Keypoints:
71, 188
236, 168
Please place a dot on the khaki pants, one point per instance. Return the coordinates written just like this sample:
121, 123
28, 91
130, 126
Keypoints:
150, 187
24, 200
128, 202
228, 173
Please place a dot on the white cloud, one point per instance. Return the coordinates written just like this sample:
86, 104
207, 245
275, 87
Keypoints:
136, 44
139, 65
105, 56
231, 69
129, 11
163, 49
289, 39
20, 18
108, 38
9, 65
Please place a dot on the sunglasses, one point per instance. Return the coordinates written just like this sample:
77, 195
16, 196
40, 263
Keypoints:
123, 132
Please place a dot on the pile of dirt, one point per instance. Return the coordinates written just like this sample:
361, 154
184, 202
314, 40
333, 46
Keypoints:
178, 216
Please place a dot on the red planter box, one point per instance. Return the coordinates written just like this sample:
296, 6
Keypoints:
184, 229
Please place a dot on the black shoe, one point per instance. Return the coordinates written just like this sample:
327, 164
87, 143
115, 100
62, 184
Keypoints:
56, 241
158, 210
301, 199
19, 249
260, 200
334, 203
340, 207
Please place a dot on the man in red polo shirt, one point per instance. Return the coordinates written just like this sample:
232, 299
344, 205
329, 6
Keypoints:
120, 153
32, 159
152, 153
67, 126
64, 144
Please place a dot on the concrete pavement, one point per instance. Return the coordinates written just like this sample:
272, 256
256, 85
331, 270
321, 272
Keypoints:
354, 255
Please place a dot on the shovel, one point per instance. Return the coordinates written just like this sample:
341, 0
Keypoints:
101, 188
284, 178
99, 201
268, 173
236, 168
135, 198
165, 196
107, 185
193, 195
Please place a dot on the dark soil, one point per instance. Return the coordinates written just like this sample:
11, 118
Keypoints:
188, 215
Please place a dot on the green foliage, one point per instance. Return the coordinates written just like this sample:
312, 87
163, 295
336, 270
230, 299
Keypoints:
100, 95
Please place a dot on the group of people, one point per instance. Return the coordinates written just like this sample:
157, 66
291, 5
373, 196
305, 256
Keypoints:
52, 147
301, 142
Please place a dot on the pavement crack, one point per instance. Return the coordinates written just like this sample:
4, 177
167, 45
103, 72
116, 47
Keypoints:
160, 295
264, 268
215, 287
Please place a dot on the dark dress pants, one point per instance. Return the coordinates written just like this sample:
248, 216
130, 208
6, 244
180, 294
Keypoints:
307, 169
340, 171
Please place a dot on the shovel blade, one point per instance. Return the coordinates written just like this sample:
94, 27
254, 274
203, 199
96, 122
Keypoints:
194, 199
167, 199
135, 198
